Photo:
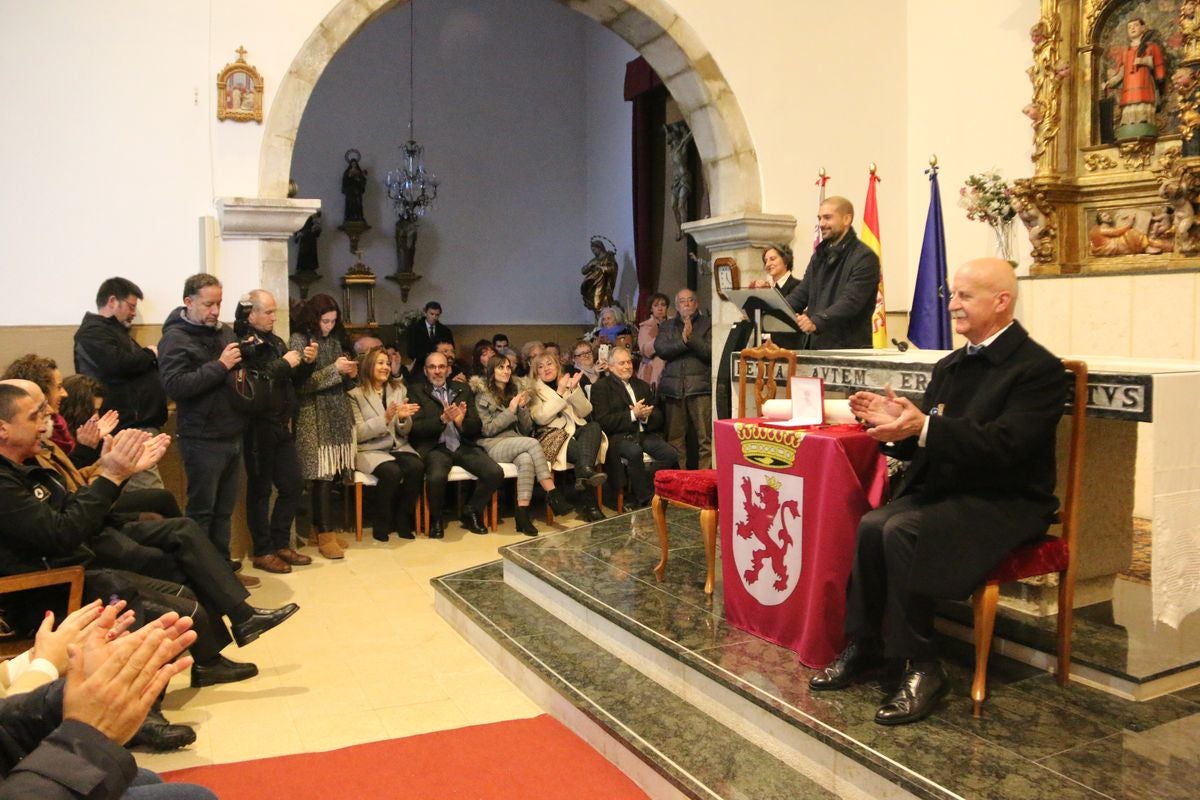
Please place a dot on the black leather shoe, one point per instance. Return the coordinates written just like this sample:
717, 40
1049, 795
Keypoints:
261, 621
471, 521
161, 736
436, 529
919, 692
405, 534
856, 659
222, 670
379, 534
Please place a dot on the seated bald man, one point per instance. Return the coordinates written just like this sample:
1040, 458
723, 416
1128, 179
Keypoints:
981, 483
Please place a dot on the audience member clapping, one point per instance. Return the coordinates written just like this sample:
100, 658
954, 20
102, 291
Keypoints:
611, 321
652, 364
45, 373
507, 438
560, 409
383, 418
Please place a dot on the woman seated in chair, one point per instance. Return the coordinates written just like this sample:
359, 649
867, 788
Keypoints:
382, 419
560, 410
507, 438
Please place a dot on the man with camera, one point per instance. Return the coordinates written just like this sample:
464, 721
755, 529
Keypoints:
195, 357
272, 373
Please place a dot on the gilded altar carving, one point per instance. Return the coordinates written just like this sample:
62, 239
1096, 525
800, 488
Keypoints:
1037, 213
1097, 162
1045, 75
1115, 108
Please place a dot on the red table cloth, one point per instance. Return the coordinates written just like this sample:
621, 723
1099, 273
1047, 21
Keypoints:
790, 501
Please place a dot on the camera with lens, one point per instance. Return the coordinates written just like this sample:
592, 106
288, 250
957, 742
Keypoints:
251, 345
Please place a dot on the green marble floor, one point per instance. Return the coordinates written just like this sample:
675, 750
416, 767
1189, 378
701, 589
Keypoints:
1035, 740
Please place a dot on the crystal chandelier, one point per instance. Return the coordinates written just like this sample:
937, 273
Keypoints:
411, 187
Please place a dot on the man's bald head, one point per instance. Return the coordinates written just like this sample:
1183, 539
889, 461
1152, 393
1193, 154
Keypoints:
29, 387
983, 298
839, 204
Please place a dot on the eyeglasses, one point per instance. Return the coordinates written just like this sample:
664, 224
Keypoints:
583, 353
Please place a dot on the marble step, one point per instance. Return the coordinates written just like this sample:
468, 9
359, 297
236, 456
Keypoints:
1036, 740
664, 743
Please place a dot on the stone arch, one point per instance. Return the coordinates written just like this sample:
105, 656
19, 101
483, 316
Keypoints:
651, 27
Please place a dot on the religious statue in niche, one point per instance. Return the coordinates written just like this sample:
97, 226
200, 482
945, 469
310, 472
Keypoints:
1138, 47
306, 238
679, 136
240, 91
354, 186
599, 275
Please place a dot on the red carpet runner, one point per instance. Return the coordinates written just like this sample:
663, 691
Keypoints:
530, 759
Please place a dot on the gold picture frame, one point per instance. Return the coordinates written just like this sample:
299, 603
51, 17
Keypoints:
725, 275
240, 91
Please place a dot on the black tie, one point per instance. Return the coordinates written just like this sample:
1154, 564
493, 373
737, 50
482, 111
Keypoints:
975, 349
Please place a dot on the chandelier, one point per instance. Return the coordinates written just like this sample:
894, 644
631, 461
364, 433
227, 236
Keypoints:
411, 187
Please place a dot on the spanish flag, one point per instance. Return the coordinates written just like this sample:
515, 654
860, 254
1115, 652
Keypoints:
870, 237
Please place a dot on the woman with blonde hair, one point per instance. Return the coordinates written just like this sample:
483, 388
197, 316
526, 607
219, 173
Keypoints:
560, 409
507, 438
382, 419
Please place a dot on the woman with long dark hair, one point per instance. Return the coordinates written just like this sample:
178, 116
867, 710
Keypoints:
382, 419
324, 421
507, 437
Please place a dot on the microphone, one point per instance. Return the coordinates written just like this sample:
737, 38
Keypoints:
901, 346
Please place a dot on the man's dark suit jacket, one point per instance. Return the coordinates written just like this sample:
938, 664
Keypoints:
610, 407
989, 452
421, 344
838, 293
427, 424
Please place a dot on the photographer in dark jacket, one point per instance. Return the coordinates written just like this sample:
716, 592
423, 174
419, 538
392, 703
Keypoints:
105, 351
196, 354
270, 446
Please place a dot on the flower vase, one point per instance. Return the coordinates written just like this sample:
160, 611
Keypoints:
1004, 242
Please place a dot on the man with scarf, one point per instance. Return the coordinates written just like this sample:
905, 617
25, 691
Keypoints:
836, 298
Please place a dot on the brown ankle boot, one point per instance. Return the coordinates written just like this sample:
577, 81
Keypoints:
342, 541
328, 546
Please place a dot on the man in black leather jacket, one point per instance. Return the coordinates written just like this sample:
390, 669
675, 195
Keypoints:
269, 447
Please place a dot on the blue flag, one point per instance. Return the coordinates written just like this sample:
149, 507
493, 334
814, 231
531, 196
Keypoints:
929, 322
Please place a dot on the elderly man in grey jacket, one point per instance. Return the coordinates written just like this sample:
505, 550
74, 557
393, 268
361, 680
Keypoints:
685, 388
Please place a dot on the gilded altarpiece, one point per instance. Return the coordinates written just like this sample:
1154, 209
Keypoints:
1116, 119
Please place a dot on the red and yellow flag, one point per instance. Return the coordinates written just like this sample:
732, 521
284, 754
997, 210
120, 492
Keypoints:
870, 237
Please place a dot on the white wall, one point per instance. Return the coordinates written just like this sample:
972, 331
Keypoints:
609, 145
112, 153
519, 107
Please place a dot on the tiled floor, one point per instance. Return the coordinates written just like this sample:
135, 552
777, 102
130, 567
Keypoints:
366, 658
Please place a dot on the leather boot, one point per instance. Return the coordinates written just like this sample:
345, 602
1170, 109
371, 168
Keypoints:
558, 502
524, 523
328, 546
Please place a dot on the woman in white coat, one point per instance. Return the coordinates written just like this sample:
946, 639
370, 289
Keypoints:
560, 410
382, 420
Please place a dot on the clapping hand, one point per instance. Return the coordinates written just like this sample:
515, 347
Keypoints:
520, 400
92, 432
641, 410
568, 383
456, 412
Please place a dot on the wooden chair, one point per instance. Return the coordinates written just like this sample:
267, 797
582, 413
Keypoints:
491, 514
73, 576
698, 488
1048, 554
361, 479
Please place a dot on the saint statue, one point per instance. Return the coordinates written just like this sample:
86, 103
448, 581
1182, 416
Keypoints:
354, 186
678, 137
599, 275
1139, 73
1189, 26
1106, 238
306, 238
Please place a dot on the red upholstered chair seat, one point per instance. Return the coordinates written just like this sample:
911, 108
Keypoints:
696, 487
1048, 554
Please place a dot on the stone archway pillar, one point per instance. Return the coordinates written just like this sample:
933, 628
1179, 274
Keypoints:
272, 223
742, 237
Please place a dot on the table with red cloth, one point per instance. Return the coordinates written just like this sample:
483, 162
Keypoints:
789, 502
